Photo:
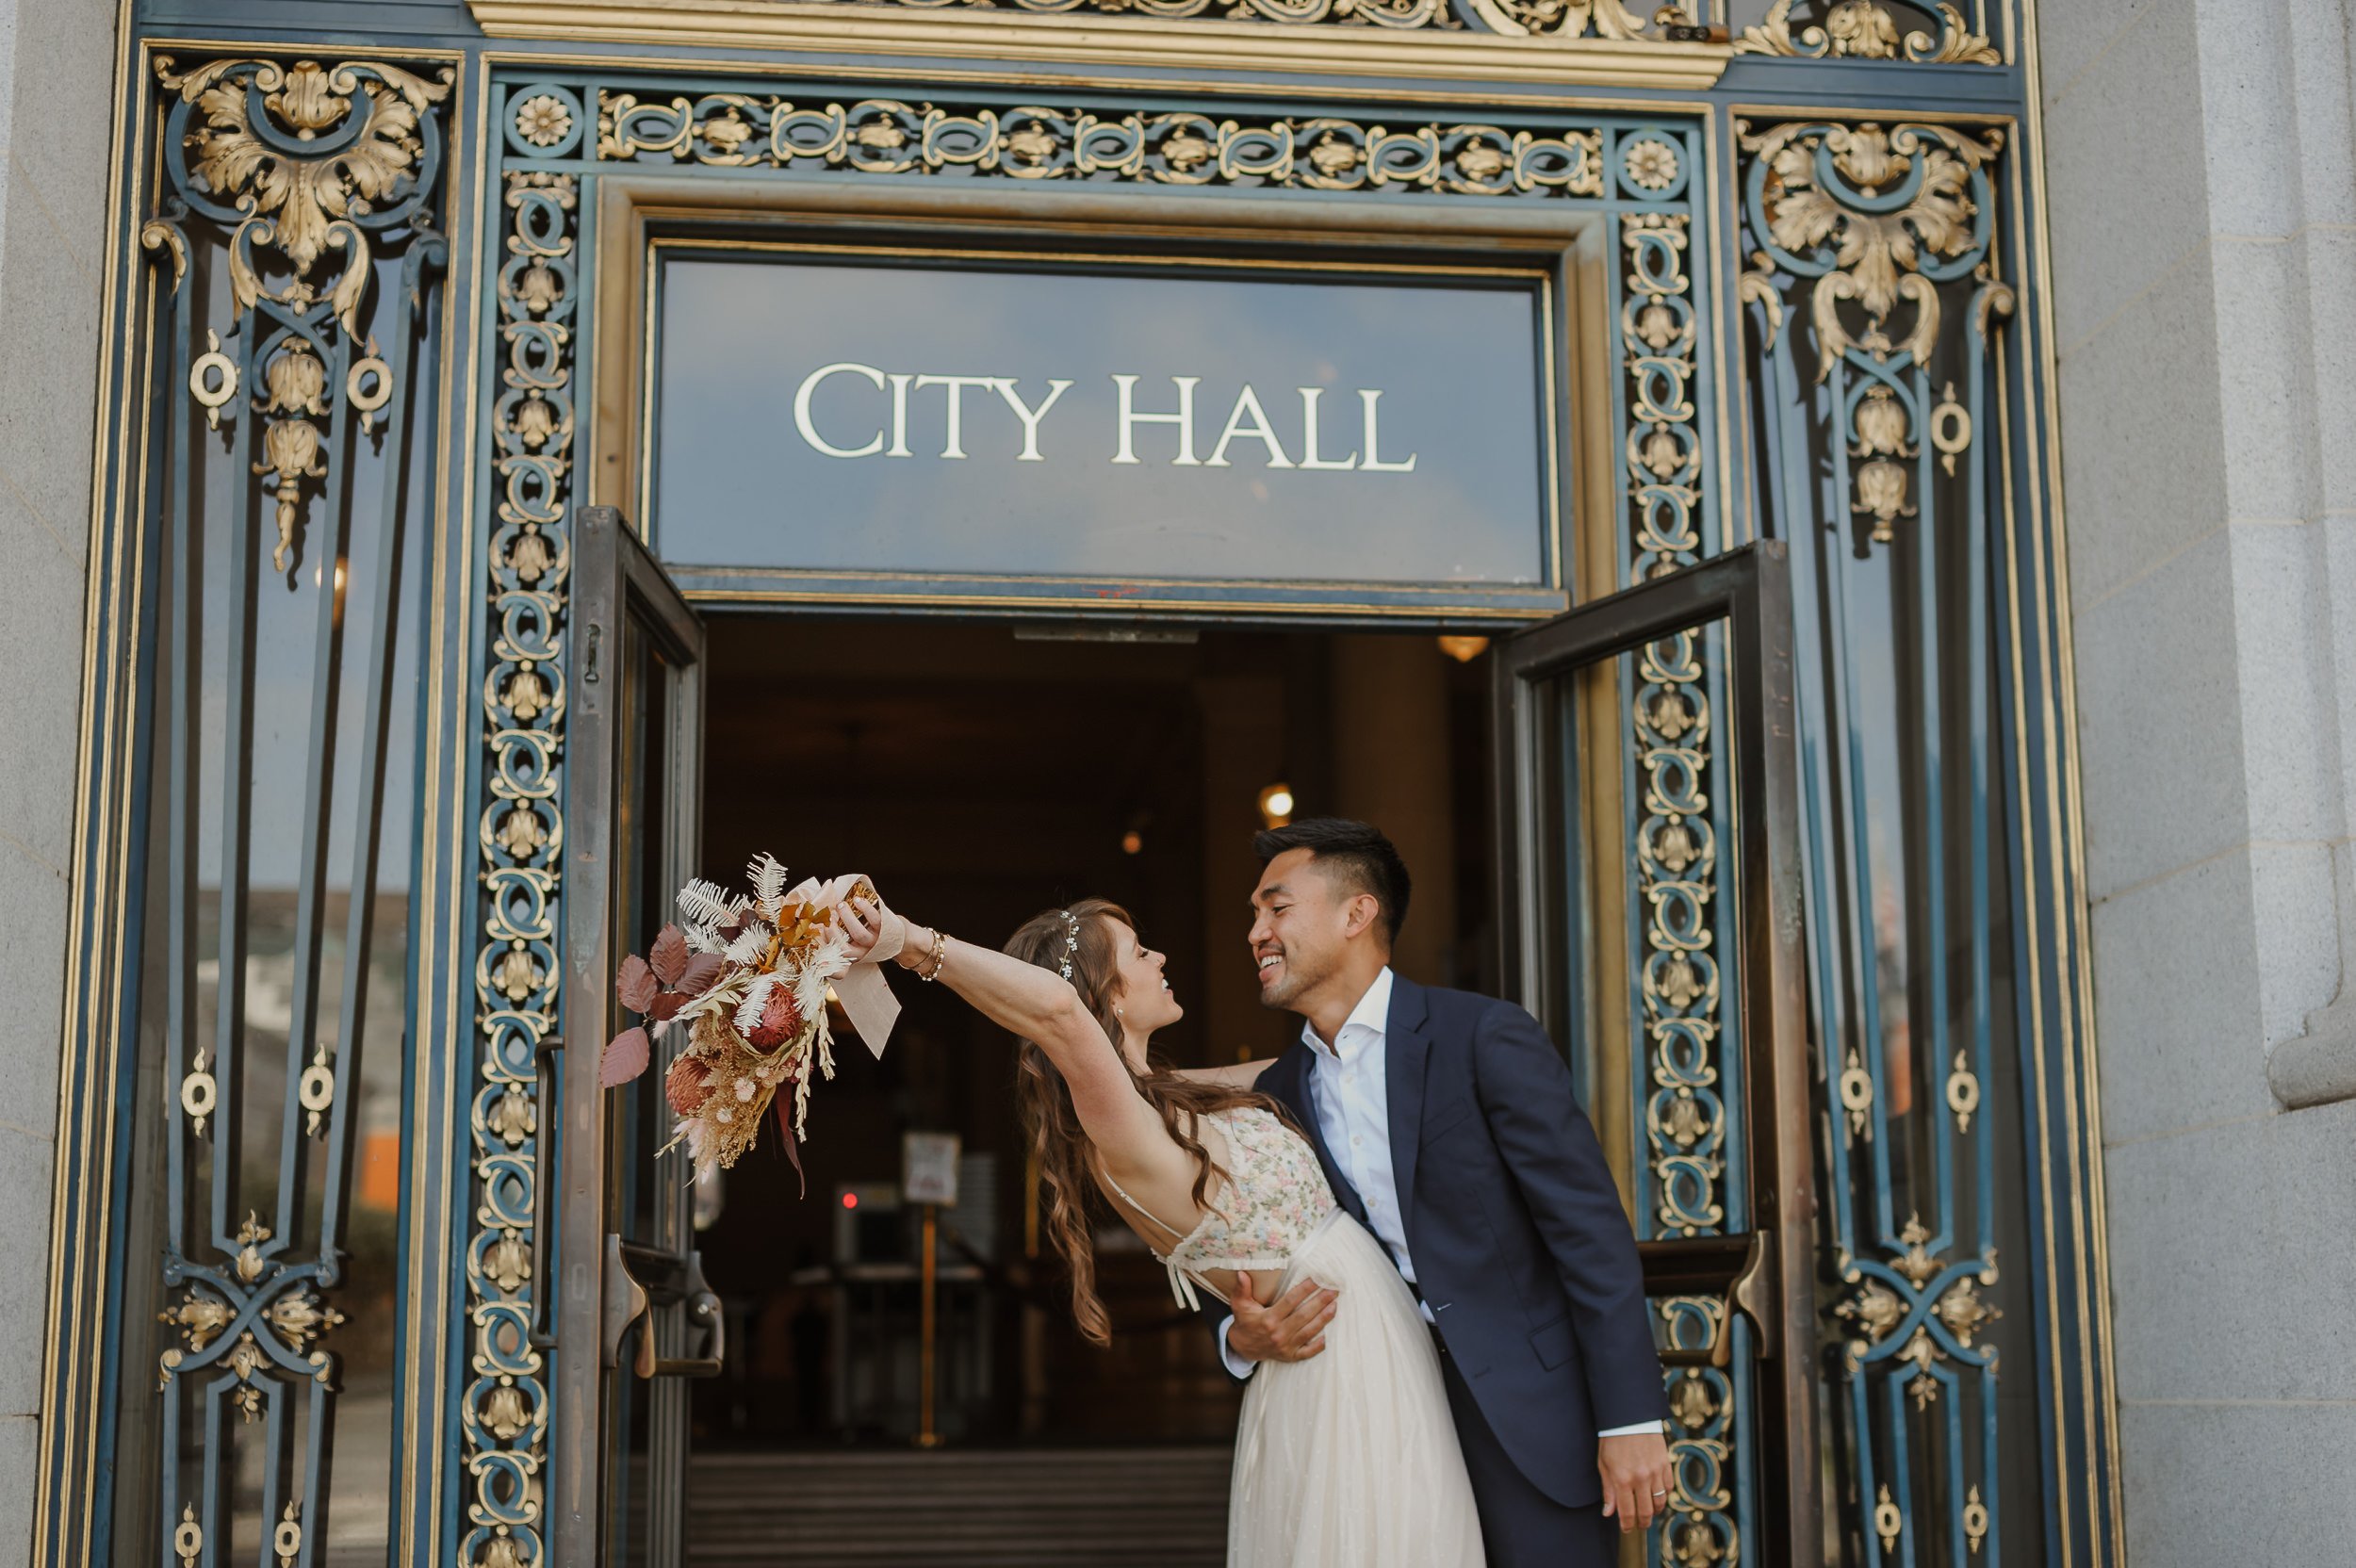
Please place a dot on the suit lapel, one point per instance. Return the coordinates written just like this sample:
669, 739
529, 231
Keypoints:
1405, 1050
1291, 1086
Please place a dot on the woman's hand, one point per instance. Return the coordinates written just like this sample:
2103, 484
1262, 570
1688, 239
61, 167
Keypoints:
862, 921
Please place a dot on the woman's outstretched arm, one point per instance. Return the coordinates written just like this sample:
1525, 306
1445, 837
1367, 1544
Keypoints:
1041, 1005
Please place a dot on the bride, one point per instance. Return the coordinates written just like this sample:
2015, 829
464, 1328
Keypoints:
1348, 1459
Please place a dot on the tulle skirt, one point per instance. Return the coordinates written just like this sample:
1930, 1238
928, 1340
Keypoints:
1349, 1460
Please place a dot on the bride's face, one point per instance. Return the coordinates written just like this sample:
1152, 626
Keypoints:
1142, 994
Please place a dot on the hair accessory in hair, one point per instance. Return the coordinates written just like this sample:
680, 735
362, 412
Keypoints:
1070, 942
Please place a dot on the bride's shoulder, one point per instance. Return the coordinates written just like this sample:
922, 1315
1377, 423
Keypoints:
1233, 1075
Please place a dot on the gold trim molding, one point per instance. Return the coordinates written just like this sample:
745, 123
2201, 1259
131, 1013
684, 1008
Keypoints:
1321, 49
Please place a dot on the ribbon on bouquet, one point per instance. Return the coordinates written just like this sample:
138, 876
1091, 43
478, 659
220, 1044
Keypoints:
865, 994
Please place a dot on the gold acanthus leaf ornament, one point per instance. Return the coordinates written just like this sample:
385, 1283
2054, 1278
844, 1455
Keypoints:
1877, 257
1863, 29
298, 203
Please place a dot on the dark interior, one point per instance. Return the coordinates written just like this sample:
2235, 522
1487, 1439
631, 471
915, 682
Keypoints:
980, 775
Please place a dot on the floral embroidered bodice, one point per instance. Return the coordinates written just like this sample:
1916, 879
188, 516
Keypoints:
1274, 1200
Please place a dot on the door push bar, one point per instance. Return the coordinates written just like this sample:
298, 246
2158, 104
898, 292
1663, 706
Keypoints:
627, 1301
1734, 1269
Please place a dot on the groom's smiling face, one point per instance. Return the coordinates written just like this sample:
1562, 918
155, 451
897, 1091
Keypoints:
1300, 926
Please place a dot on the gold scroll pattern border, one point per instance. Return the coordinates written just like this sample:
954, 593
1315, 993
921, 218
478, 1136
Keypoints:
1671, 721
521, 842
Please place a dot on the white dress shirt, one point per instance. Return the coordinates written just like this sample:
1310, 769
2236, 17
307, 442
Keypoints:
1349, 1090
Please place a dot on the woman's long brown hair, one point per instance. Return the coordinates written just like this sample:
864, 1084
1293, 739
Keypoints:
1065, 1154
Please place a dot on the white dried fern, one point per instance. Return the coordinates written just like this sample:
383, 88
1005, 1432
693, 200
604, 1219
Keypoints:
756, 999
707, 903
767, 873
751, 944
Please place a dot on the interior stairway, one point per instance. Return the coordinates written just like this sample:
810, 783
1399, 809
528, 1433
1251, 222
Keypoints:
1007, 1508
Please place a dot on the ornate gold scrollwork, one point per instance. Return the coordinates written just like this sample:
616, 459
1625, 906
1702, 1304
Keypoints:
198, 1093
331, 159
1879, 217
1864, 29
1756, 286
200, 1317
250, 1264
1951, 429
1857, 1096
1974, 1520
1878, 254
213, 379
369, 386
520, 845
303, 205
287, 1540
1963, 1092
1888, 1520
1554, 19
317, 1090
1883, 1308
887, 136
187, 1540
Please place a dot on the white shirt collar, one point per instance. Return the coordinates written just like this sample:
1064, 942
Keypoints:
1369, 1019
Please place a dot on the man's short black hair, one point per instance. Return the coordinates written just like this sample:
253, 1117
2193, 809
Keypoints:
1356, 853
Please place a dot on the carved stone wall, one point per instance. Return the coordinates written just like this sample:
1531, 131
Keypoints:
55, 88
2206, 294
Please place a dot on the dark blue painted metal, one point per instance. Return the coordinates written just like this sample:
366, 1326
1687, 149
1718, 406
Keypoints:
1783, 471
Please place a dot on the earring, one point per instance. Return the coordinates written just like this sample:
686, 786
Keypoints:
1120, 1013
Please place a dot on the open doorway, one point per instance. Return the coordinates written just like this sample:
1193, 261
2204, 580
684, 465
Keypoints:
980, 772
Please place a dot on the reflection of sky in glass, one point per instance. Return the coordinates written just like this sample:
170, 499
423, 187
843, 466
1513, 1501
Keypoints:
737, 484
254, 1066
285, 632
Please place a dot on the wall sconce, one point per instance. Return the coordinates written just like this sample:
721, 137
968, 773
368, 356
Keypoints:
1132, 842
1464, 649
1276, 804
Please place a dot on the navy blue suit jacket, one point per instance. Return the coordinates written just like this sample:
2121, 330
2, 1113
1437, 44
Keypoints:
1521, 1247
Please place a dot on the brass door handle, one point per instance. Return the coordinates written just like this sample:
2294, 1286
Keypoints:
703, 1311
625, 1302
628, 1301
1732, 1269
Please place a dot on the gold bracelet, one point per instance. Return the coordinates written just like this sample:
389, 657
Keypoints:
940, 956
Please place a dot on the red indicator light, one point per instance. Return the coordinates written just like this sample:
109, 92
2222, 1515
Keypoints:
850, 1200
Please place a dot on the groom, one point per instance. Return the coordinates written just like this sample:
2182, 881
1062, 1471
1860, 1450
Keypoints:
1446, 1124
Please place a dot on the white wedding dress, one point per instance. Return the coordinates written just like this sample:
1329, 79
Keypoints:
1348, 1460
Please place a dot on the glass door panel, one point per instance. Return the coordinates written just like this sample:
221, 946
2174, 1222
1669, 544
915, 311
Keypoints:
1650, 882
633, 1316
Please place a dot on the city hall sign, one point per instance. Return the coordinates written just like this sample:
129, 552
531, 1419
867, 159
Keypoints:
1248, 420
1164, 421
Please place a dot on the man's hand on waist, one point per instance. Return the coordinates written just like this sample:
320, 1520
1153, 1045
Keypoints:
1291, 1327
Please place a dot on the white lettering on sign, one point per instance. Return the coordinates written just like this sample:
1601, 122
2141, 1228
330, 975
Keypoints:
1248, 422
1183, 420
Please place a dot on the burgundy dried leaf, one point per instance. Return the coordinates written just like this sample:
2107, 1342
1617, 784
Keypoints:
781, 1021
701, 973
785, 1135
669, 954
636, 983
625, 1058
665, 1007
687, 1086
